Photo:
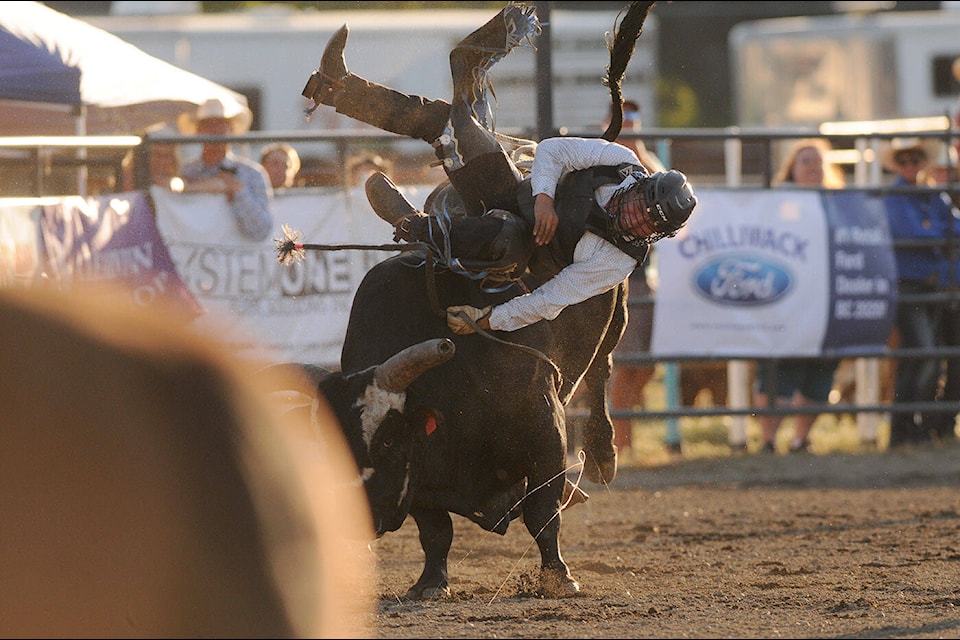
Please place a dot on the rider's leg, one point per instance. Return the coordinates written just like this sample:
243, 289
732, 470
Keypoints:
407, 115
464, 144
498, 240
478, 167
414, 116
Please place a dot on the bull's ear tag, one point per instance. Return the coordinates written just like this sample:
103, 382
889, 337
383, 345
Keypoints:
431, 425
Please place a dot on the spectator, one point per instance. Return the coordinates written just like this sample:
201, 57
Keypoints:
941, 426
282, 163
632, 124
363, 165
164, 164
797, 382
628, 380
243, 182
922, 270
943, 423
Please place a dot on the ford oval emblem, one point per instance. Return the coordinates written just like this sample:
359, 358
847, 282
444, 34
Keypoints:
743, 279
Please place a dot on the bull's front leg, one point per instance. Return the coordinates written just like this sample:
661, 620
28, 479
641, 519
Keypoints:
436, 536
600, 466
541, 516
541, 507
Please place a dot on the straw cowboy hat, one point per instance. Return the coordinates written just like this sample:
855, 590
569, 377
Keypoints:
214, 108
890, 148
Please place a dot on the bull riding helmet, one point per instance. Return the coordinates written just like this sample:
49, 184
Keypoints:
652, 207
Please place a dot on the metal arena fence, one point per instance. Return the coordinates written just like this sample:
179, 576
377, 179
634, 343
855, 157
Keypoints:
730, 158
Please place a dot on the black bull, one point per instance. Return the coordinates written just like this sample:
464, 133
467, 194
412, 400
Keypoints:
493, 414
484, 432
493, 430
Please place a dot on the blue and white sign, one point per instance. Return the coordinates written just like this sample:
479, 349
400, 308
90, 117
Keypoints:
785, 272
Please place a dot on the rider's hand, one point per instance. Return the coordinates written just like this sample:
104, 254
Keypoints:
546, 220
459, 324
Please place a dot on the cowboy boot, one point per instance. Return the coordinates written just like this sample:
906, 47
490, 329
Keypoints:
374, 104
327, 80
392, 207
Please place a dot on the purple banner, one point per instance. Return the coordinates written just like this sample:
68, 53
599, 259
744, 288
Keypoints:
113, 240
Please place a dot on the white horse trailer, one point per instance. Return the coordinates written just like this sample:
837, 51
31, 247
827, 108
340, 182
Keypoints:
851, 67
268, 56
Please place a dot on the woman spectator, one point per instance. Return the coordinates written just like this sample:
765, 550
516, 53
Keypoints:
797, 382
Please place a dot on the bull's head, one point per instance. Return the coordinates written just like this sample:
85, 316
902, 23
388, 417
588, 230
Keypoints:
371, 408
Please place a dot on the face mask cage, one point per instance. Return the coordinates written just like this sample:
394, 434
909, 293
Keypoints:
635, 215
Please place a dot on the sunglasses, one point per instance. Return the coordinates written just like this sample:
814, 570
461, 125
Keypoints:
912, 157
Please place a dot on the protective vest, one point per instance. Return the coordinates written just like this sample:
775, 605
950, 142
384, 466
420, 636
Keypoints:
577, 210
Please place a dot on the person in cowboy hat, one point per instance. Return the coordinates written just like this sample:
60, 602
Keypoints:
242, 181
921, 270
892, 151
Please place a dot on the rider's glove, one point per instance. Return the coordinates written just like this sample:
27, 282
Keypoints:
459, 318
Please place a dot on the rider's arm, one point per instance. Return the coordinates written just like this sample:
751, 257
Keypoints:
556, 156
597, 266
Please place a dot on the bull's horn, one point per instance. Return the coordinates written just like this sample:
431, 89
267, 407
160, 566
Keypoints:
396, 374
294, 376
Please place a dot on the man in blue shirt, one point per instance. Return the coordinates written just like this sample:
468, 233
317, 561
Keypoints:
922, 270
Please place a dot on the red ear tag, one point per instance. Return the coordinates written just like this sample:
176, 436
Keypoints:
431, 424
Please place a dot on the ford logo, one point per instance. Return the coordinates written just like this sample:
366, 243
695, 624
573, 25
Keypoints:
743, 280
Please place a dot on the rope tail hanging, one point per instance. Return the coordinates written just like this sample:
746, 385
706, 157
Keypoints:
291, 250
622, 46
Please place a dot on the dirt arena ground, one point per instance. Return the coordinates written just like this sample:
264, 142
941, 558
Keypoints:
746, 546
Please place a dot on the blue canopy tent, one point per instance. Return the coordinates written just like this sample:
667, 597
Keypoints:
60, 76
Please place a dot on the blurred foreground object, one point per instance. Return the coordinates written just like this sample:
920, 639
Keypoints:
149, 489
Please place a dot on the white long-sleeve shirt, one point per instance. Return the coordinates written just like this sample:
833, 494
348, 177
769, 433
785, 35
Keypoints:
598, 265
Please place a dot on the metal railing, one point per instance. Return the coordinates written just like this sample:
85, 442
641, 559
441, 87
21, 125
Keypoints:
738, 157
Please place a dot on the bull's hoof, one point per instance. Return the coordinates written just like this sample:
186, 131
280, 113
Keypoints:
423, 592
572, 494
554, 585
600, 469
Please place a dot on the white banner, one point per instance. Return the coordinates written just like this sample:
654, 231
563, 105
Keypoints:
754, 273
776, 273
257, 306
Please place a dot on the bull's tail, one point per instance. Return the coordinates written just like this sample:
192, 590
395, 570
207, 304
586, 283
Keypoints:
621, 46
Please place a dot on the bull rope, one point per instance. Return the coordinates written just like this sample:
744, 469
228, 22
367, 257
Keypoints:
558, 376
291, 250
